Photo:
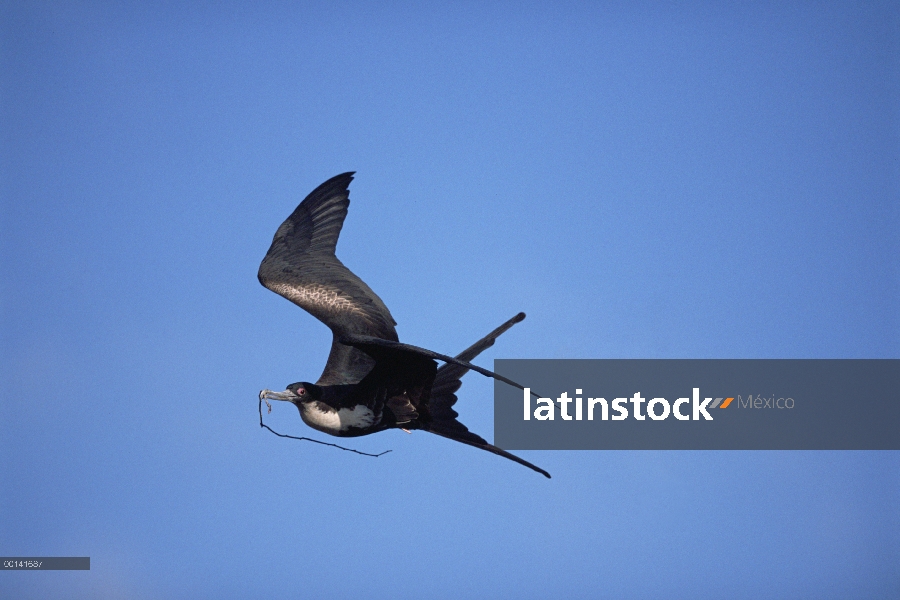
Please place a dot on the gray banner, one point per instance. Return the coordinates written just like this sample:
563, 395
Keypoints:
796, 404
46, 563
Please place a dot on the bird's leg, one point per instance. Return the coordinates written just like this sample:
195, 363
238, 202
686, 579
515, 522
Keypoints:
406, 430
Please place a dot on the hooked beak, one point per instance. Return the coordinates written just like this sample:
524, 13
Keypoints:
285, 396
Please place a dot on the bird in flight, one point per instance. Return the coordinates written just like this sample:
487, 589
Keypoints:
372, 381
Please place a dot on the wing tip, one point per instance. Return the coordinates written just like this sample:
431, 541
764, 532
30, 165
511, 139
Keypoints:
344, 178
338, 183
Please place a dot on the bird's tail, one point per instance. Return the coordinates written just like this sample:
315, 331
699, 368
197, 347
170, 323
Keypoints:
443, 419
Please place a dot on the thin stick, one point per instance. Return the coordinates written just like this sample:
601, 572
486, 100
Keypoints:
293, 437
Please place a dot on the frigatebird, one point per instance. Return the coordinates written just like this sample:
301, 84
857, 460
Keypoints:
372, 381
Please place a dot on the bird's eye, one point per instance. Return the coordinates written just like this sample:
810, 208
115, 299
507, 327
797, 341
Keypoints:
301, 391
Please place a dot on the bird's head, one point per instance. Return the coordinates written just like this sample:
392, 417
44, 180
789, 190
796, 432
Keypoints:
295, 393
304, 392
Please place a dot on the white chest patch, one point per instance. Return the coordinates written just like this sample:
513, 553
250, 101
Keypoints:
334, 421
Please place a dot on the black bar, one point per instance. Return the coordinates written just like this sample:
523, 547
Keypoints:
45, 563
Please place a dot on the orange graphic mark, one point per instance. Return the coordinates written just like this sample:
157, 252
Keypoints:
726, 403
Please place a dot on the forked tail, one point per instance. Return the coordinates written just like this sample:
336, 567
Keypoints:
444, 420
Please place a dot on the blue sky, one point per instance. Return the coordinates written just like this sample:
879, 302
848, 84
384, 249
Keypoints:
644, 181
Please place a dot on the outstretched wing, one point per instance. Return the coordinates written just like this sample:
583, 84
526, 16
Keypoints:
448, 376
380, 348
301, 266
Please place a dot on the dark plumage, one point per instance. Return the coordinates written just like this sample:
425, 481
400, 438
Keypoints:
371, 381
